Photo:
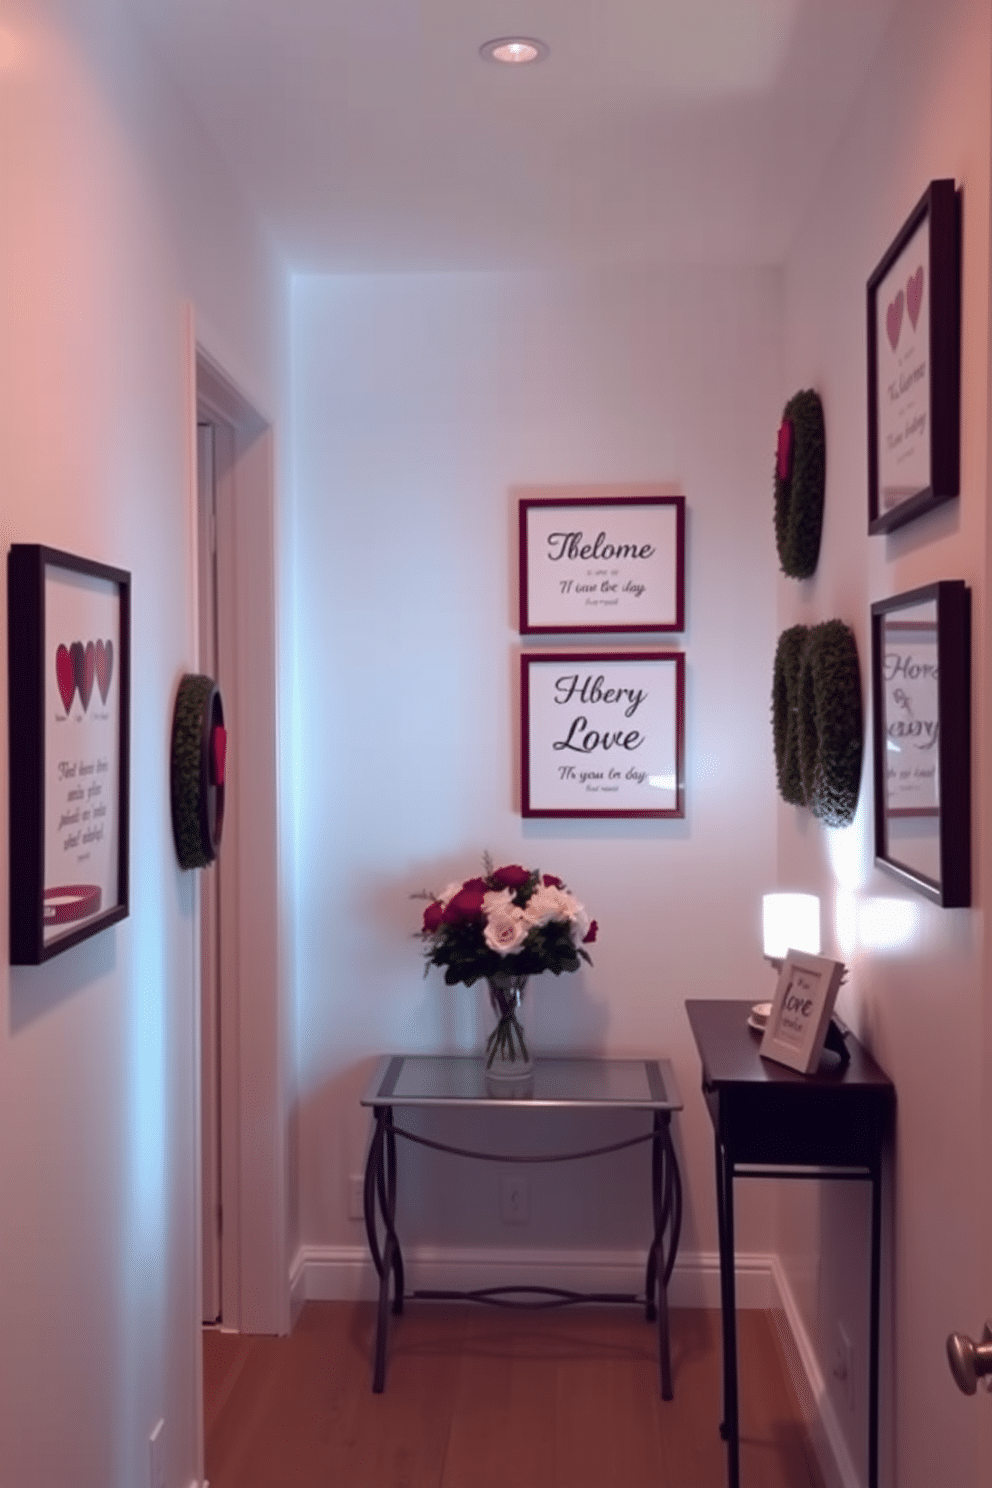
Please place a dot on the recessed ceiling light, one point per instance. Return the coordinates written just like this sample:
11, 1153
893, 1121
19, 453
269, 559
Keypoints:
514, 50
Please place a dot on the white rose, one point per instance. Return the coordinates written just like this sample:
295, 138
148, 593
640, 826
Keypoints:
580, 925
496, 900
548, 903
506, 930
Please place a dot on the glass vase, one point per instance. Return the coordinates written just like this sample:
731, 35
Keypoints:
507, 1053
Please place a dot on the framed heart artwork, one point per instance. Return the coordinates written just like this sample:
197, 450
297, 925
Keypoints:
68, 640
914, 365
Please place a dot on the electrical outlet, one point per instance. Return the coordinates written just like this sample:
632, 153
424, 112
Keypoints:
356, 1196
156, 1456
843, 1365
514, 1199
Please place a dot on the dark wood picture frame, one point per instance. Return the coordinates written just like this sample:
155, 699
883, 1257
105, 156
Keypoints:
602, 755
590, 578
914, 364
921, 694
69, 666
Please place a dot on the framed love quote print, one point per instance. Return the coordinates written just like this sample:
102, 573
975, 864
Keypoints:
921, 700
796, 1029
603, 563
68, 628
602, 734
914, 365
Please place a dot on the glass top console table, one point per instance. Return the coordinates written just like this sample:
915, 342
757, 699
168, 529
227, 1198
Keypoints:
460, 1082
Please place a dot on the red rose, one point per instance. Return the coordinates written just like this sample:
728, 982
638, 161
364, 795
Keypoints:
550, 882
590, 934
432, 916
510, 877
465, 905
476, 883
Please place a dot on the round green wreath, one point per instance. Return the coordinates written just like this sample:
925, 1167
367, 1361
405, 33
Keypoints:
196, 819
785, 713
816, 720
800, 474
829, 723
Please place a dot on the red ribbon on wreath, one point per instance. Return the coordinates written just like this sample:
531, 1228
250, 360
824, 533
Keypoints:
786, 442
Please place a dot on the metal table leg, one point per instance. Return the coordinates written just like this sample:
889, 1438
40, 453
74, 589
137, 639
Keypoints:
666, 1199
729, 1428
875, 1306
380, 1191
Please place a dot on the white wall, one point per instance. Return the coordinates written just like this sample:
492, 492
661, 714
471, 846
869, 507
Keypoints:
115, 213
920, 1002
419, 404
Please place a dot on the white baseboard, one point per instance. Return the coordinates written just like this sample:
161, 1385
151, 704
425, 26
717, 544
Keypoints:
338, 1273
334, 1273
822, 1422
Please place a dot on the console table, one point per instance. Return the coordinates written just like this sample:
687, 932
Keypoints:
770, 1122
456, 1082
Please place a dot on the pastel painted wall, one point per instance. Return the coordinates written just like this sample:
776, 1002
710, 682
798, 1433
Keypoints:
420, 403
918, 990
116, 214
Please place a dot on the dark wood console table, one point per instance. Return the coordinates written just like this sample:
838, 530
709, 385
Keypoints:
770, 1122
454, 1082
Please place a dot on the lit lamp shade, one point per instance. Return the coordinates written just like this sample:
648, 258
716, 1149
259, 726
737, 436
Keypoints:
790, 922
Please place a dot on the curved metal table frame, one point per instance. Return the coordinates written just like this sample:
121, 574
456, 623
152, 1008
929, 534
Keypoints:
581, 1084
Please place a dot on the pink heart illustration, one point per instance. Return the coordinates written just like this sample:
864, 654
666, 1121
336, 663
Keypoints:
77, 652
914, 295
65, 676
104, 667
84, 666
893, 320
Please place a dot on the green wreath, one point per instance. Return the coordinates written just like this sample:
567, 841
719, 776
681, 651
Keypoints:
197, 771
785, 713
829, 723
800, 474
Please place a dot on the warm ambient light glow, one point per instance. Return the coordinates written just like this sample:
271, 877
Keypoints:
514, 50
874, 924
10, 50
790, 922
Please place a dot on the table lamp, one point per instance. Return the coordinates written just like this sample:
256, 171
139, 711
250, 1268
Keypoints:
790, 922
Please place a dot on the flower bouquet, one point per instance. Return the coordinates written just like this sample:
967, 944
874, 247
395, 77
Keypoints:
513, 923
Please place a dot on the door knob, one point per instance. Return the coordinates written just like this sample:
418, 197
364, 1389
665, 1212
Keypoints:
970, 1361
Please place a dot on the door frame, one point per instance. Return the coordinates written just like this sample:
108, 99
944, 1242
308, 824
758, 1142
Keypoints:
254, 1042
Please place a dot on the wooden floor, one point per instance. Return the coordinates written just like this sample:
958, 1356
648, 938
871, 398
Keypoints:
480, 1398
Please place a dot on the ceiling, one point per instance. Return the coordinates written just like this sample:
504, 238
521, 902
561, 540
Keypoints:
371, 136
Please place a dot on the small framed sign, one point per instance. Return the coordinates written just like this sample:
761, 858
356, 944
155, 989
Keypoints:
914, 365
68, 636
604, 563
801, 1010
602, 734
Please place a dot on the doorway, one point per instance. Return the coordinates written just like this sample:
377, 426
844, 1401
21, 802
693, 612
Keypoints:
244, 1044
211, 439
